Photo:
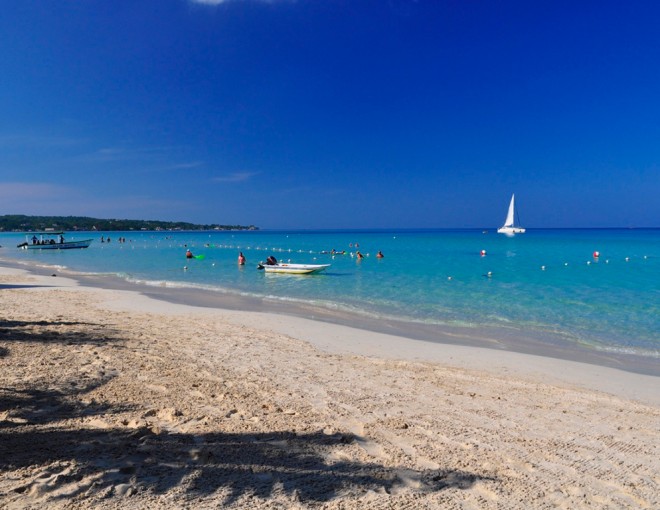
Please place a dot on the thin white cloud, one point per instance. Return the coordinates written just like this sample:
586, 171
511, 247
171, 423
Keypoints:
21, 191
300, 190
38, 198
185, 166
46, 199
218, 2
133, 206
121, 154
189, 165
38, 141
236, 177
111, 151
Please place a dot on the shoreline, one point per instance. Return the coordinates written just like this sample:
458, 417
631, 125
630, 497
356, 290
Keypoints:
503, 341
112, 399
335, 336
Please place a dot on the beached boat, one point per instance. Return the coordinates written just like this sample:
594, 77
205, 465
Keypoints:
509, 227
51, 241
293, 268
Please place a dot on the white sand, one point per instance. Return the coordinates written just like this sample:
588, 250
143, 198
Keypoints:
109, 399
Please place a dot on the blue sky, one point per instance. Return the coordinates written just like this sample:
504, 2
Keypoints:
332, 114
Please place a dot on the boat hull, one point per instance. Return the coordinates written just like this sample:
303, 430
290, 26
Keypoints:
510, 230
294, 268
69, 245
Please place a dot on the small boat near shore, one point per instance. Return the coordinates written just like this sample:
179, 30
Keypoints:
284, 268
51, 241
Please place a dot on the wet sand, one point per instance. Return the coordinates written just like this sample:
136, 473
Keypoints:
112, 399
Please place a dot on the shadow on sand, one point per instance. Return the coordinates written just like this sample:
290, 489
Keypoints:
43, 331
12, 286
81, 449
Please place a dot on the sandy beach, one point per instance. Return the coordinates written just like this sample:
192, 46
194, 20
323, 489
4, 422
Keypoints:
110, 399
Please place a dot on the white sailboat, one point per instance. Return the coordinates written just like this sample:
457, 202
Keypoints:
509, 228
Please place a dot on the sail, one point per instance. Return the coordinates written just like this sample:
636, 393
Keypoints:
509, 217
508, 227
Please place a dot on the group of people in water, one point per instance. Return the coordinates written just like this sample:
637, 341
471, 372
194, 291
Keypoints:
272, 261
109, 240
358, 254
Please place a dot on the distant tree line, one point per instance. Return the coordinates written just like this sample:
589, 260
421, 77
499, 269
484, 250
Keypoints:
21, 223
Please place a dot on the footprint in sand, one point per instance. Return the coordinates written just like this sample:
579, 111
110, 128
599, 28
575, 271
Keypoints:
408, 447
98, 424
168, 414
371, 447
157, 388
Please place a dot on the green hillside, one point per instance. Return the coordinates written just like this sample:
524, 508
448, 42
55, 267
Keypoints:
21, 223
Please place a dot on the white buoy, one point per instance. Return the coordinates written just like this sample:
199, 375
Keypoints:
542, 268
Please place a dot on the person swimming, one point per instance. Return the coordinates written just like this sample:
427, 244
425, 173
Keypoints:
189, 254
379, 255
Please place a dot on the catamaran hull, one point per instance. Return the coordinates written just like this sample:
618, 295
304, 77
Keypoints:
294, 268
510, 230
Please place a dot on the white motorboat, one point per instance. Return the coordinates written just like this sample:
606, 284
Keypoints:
285, 268
52, 241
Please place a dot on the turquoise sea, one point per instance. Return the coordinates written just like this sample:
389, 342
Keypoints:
545, 284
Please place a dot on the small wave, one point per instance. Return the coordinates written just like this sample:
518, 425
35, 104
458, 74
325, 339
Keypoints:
171, 284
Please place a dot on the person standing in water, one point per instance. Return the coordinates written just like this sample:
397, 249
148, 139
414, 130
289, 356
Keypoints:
241, 259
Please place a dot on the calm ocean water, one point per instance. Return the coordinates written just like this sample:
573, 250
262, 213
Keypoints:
545, 281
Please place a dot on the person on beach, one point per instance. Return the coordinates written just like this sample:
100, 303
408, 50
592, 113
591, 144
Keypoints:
189, 254
241, 259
